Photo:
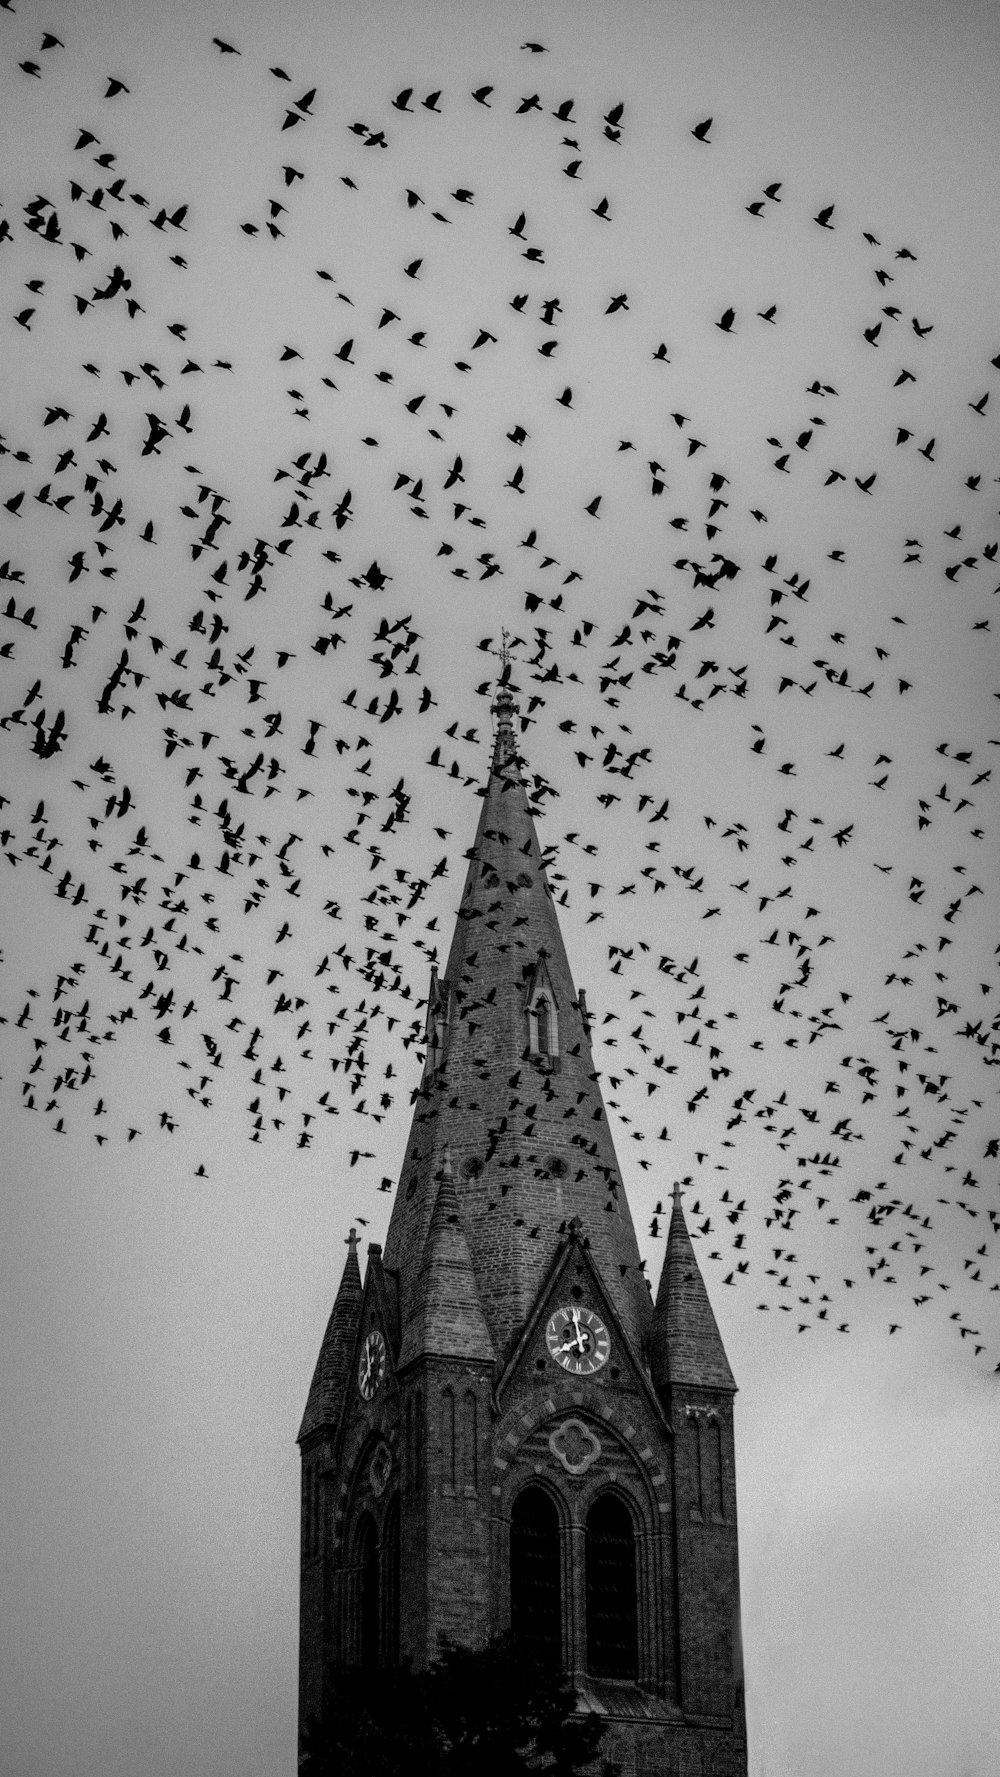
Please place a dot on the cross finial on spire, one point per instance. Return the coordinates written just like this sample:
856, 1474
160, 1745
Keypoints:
675, 1192
503, 706
352, 1243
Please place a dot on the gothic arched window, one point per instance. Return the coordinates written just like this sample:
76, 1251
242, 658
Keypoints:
612, 1612
542, 1016
536, 1577
448, 1439
719, 1501
367, 1614
697, 1509
470, 1443
418, 1440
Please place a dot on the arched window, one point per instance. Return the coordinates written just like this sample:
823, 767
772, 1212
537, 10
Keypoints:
612, 1614
418, 1442
719, 1501
367, 1617
694, 1443
470, 1443
536, 1577
390, 1584
313, 1507
542, 1015
448, 1440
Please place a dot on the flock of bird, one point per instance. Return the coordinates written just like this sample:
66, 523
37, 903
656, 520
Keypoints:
244, 770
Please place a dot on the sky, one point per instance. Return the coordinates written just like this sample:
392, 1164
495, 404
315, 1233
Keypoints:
309, 391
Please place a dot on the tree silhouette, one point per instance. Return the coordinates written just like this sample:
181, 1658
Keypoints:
490, 1713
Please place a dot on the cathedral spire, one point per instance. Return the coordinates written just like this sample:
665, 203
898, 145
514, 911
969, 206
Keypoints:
509, 1082
686, 1346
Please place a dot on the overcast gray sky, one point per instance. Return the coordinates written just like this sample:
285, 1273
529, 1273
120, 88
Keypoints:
792, 969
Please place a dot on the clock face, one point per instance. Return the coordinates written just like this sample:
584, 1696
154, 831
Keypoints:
372, 1366
578, 1340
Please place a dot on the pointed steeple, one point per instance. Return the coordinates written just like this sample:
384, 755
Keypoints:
447, 1318
330, 1378
509, 1084
686, 1346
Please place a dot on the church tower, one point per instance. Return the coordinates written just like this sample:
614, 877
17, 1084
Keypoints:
504, 1431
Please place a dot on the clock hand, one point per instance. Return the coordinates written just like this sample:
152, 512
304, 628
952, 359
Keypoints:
582, 1339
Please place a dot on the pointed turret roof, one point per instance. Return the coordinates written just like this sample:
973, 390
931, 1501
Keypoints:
330, 1378
686, 1346
527, 1131
447, 1318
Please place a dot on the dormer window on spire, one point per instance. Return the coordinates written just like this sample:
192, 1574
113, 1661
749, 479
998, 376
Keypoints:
542, 1017
436, 1037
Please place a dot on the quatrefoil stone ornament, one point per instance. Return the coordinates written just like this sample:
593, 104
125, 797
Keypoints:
379, 1469
575, 1445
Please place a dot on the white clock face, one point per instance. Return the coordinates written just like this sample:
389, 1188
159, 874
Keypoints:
578, 1340
372, 1366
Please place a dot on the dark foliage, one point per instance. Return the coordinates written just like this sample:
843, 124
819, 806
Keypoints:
488, 1714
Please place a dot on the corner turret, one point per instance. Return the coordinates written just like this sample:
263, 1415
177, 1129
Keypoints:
686, 1348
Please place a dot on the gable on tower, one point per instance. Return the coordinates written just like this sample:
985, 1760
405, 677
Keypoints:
574, 1332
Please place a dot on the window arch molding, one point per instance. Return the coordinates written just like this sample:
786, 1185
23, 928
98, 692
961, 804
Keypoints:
631, 1489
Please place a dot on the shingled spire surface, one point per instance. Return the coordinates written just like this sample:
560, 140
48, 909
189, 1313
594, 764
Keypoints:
446, 1318
510, 1087
330, 1377
686, 1346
